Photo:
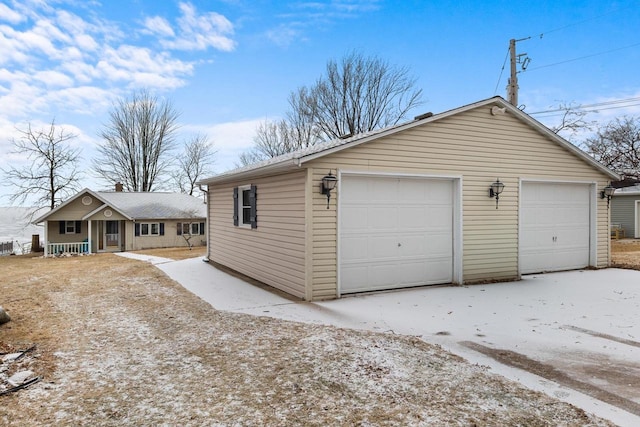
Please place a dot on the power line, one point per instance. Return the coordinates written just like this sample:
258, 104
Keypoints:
584, 57
501, 71
598, 104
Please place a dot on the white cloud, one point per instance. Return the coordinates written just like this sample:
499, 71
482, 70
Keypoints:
229, 139
53, 78
9, 15
285, 34
158, 25
200, 32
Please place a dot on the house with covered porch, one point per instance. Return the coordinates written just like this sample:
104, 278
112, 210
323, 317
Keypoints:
117, 221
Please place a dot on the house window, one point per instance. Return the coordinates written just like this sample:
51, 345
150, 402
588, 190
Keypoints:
245, 206
70, 227
190, 228
149, 229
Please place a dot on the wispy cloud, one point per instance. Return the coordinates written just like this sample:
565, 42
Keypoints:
53, 58
304, 17
194, 31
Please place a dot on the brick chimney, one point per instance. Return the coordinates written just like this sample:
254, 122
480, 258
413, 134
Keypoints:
119, 187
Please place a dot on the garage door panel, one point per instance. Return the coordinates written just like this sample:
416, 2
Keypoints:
355, 218
408, 236
382, 218
351, 248
555, 227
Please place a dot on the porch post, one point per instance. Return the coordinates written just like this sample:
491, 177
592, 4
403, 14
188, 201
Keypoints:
89, 236
46, 238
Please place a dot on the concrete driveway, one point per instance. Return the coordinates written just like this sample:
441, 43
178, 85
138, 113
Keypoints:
573, 335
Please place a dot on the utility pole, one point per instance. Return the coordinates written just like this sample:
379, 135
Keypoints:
512, 86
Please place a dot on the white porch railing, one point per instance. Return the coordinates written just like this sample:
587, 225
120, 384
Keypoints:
68, 248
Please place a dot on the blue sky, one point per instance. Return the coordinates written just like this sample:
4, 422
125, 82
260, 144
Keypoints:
227, 65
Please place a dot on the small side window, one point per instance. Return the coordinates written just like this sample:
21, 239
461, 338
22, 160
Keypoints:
245, 206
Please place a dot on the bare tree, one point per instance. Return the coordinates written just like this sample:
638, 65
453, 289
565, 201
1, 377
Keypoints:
138, 141
573, 121
185, 229
52, 174
357, 94
195, 162
274, 138
617, 146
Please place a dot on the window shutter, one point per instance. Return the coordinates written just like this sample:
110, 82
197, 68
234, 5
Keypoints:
179, 229
78, 227
253, 216
137, 227
62, 227
162, 228
235, 206
202, 228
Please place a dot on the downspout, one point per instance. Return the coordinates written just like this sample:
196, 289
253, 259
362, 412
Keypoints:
207, 227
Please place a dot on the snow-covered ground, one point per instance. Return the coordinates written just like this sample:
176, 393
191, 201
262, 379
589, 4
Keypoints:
582, 322
15, 226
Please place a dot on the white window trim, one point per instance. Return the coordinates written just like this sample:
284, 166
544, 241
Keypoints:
149, 227
69, 230
197, 225
241, 207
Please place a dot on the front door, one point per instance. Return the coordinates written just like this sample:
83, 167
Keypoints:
111, 236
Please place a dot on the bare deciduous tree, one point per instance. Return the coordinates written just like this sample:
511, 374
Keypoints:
573, 121
617, 146
357, 94
195, 162
137, 142
52, 174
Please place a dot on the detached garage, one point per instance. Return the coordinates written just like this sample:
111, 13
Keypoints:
412, 206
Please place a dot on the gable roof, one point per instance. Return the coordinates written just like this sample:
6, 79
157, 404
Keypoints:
297, 158
141, 205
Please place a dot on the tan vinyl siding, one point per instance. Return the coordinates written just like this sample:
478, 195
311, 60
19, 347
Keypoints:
75, 210
169, 240
479, 147
274, 252
54, 236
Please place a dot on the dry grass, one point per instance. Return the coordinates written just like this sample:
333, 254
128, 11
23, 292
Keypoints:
625, 253
118, 343
176, 253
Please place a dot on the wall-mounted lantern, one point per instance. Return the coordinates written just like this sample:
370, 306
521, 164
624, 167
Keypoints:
495, 190
607, 192
328, 183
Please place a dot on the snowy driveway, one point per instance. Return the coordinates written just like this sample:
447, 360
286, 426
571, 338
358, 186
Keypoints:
574, 335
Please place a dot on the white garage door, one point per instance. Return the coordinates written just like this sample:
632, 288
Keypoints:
555, 227
395, 232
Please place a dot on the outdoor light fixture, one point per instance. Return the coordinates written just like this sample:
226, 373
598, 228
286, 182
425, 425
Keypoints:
607, 192
328, 183
495, 190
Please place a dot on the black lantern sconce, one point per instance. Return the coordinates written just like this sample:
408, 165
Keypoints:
328, 183
607, 192
496, 189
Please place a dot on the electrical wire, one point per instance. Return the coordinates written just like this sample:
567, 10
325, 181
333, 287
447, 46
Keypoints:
606, 104
501, 71
584, 57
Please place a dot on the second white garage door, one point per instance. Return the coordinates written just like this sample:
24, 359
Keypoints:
555, 227
395, 232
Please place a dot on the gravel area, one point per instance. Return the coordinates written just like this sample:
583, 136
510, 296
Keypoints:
118, 343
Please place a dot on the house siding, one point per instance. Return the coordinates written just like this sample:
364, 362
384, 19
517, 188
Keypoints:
623, 211
171, 239
75, 210
479, 147
274, 252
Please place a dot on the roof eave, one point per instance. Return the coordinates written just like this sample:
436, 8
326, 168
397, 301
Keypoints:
282, 166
